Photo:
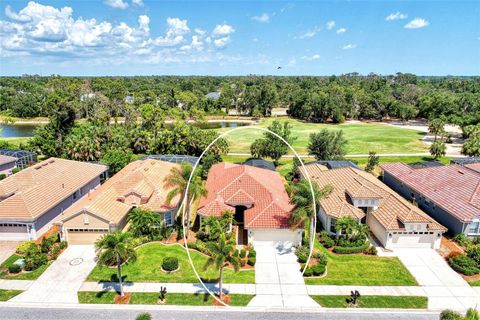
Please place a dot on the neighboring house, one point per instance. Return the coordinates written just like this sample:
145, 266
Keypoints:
450, 194
260, 163
175, 158
33, 199
258, 199
7, 164
139, 184
24, 158
395, 222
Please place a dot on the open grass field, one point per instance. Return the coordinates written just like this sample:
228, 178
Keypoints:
181, 299
32, 275
147, 268
390, 302
361, 137
359, 269
6, 295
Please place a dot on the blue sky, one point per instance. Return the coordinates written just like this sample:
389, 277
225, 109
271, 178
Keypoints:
142, 37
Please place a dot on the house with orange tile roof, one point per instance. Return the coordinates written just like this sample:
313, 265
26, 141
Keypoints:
394, 221
258, 199
33, 199
449, 194
7, 164
139, 184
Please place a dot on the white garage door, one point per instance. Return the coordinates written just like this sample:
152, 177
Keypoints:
412, 241
274, 237
85, 236
13, 232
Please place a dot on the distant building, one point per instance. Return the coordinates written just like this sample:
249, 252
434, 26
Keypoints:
395, 222
450, 194
129, 99
139, 184
34, 198
87, 96
24, 158
176, 158
215, 95
7, 164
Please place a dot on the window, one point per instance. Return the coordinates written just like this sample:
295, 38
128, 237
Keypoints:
75, 195
474, 227
168, 218
333, 223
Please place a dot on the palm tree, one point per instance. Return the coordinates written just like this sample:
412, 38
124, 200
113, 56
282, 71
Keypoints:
301, 198
178, 180
115, 248
143, 222
221, 253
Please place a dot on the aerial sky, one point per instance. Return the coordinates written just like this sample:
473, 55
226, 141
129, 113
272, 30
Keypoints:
146, 37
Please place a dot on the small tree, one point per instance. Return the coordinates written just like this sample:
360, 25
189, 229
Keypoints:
117, 159
222, 253
438, 149
270, 145
115, 248
436, 127
144, 222
327, 145
471, 147
373, 161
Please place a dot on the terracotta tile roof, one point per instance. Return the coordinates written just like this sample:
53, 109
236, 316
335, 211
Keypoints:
392, 212
262, 191
6, 159
454, 188
30, 193
140, 183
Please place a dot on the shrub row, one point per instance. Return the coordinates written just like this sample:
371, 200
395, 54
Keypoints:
252, 257
350, 250
464, 264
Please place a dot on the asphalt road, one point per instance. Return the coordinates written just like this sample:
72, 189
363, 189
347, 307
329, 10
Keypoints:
17, 313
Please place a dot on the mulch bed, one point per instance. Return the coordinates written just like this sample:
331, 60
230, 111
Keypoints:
225, 298
123, 300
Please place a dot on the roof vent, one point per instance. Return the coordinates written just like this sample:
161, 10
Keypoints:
461, 172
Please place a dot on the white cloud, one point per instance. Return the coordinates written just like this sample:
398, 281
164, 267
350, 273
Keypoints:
312, 57
330, 25
349, 46
264, 18
41, 30
396, 16
310, 33
117, 4
223, 29
292, 62
138, 3
341, 30
417, 23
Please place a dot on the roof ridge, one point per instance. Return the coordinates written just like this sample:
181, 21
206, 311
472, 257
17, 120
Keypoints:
475, 194
262, 212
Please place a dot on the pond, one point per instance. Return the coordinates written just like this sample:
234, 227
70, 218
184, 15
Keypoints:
26, 130
17, 130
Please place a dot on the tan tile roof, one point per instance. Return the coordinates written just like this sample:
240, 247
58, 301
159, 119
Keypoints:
454, 188
30, 193
6, 159
140, 182
261, 190
393, 210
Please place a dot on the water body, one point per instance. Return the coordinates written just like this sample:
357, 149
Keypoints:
26, 130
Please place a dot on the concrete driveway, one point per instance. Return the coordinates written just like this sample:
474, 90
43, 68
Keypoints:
7, 248
278, 271
445, 288
61, 281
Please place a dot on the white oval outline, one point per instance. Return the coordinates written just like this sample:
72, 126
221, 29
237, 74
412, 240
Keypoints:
190, 179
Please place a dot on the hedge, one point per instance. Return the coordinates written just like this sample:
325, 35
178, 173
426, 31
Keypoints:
252, 260
350, 250
170, 263
14, 268
464, 264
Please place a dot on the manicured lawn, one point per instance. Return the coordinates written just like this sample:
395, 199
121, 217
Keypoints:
33, 275
147, 268
374, 302
186, 299
474, 283
6, 295
362, 137
17, 141
358, 269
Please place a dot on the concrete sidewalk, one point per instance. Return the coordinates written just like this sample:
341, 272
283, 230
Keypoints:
15, 284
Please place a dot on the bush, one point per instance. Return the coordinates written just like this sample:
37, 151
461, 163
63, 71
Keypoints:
462, 240
450, 315
308, 272
473, 253
252, 260
144, 316
243, 253
318, 269
170, 263
2, 176
350, 250
371, 251
23, 247
15, 170
14, 268
47, 243
33, 262
63, 244
325, 239
252, 253
464, 264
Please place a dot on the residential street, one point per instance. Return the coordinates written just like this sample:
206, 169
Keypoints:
129, 313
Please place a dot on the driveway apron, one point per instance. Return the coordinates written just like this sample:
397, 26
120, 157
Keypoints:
7, 248
61, 281
278, 280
